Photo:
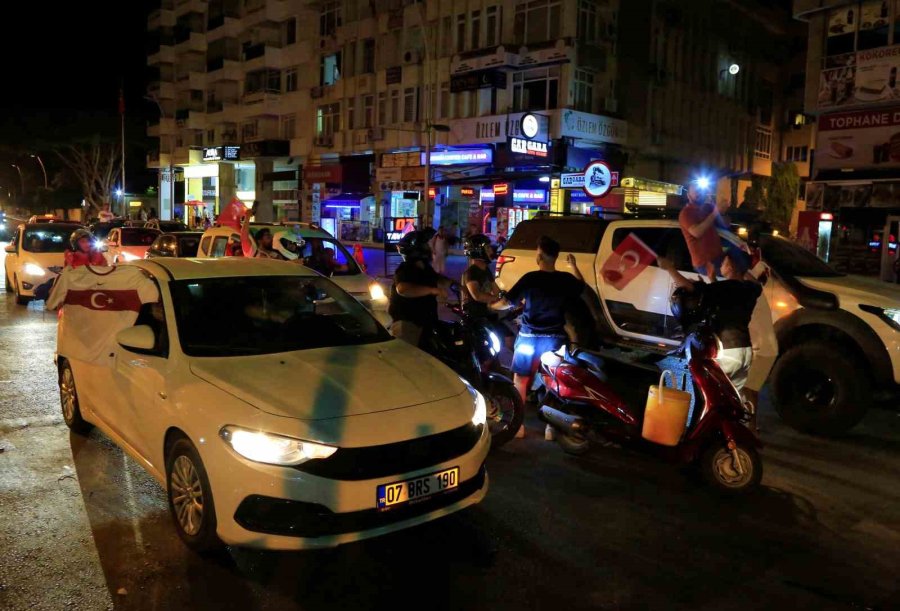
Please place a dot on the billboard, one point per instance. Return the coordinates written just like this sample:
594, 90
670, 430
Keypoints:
859, 139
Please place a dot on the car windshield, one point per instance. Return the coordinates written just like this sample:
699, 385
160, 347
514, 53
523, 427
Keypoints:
101, 230
167, 226
329, 257
46, 238
188, 245
788, 258
268, 314
133, 236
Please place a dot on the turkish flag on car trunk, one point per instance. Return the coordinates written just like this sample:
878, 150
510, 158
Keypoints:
629, 259
232, 214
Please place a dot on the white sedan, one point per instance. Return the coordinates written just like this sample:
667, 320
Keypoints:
277, 412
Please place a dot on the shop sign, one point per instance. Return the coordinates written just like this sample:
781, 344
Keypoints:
212, 153
401, 160
587, 126
864, 77
331, 173
461, 157
496, 128
501, 188
221, 153
576, 180
413, 174
857, 139
480, 79
534, 148
598, 179
388, 175
467, 192
530, 196
209, 193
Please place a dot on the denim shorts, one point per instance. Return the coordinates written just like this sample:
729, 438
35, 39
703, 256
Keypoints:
530, 347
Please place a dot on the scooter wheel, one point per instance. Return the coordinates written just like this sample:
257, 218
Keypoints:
719, 469
506, 412
574, 445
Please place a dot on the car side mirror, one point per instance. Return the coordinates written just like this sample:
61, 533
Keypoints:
139, 337
10, 248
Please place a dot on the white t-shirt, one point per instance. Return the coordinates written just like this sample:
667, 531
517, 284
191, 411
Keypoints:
97, 303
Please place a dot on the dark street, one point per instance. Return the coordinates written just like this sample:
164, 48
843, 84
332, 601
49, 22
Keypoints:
86, 528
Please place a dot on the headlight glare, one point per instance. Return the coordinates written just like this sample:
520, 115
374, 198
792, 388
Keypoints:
376, 292
495, 342
129, 257
33, 269
479, 413
273, 449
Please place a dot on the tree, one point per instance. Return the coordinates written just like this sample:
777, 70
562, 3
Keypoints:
755, 196
784, 185
95, 166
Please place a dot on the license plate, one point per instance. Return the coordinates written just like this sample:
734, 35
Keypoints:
399, 493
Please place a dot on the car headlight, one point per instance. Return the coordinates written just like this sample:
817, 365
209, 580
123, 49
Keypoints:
479, 412
376, 292
273, 449
129, 257
33, 269
889, 315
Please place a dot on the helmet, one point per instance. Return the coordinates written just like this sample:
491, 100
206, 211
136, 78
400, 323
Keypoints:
79, 233
688, 307
414, 246
477, 246
283, 239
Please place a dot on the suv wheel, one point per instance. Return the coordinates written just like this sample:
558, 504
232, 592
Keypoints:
820, 389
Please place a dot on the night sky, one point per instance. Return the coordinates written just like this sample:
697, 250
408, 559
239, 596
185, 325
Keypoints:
62, 67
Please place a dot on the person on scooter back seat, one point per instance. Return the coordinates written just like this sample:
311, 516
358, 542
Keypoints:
548, 295
478, 289
731, 304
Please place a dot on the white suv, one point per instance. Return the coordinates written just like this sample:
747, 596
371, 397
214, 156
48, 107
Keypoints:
839, 336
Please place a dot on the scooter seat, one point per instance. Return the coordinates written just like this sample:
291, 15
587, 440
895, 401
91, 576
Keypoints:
589, 360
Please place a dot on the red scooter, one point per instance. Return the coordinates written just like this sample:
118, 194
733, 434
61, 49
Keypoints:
584, 407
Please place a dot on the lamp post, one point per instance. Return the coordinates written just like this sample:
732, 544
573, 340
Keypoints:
21, 180
43, 169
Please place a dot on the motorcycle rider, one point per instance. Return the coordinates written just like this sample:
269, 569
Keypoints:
81, 250
478, 290
548, 295
732, 303
416, 289
287, 244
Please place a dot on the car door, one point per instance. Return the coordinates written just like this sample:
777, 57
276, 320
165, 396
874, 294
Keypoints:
640, 310
141, 379
12, 257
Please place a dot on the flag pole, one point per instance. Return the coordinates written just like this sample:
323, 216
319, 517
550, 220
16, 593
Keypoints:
122, 117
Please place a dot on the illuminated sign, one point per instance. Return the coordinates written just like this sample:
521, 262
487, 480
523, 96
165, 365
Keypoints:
431, 192
598, 179
571, 181
212, 153
532, 196
826, 216
501, 188
467, 192
534, 148
461, 157
221, 153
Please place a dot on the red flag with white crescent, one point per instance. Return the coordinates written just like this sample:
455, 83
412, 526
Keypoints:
629, 259
232, 214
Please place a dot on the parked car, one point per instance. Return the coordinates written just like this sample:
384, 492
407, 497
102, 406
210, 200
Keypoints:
839, 336
35, 255
175, 244
218, 241
277, 412
125, 244
166, 226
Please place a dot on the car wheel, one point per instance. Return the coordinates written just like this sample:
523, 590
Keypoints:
68, 400
190, 497
819, 388
20, 298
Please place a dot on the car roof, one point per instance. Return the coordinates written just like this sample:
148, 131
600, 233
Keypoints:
304, 230
183, 234
226, 267
72, 226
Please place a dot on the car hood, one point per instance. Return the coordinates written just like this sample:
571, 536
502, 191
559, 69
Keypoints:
327, 383
355, 285
44, 259
858, 289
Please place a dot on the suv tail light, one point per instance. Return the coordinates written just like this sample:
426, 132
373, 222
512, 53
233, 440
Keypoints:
503, 260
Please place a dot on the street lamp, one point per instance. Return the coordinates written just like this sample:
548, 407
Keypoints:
21, 180
43, 169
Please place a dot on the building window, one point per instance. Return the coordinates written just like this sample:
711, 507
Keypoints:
288, 127
290, 79
249, 130
368, 58
492, 33
351, 113
587, 21
584, 90
444, 110
328, 119
409, 104
210, 136
395, 105
537, 21
447, 35
461, 33
763, 147
382, 108
329, 18
476, 29
330, 69
797, 153
263, 81
368, 110
289, 31
536, 89
866, 25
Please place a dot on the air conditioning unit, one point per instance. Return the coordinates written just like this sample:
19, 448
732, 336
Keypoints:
376, 134
610, 104
326, 141
316, 92
411, 57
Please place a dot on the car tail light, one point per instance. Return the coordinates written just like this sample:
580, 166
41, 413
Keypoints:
503, 260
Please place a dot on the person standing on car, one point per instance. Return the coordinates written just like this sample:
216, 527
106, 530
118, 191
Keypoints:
416, 289
698, 222
731, 304
81, 250
548, 295
105, 216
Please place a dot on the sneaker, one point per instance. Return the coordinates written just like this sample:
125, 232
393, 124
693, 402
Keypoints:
549, 433
520, 434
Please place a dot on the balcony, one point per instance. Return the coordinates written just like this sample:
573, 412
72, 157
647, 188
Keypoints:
262, 103
164, 54
192, 78
219, 69
165, 127
183, 7
157, 160
192, 42
261, 55
162, 90
190, 119
223, 26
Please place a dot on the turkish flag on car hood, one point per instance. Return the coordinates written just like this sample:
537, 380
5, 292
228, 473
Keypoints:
629, 259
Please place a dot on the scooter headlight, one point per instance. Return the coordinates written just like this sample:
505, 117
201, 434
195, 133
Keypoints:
495, 342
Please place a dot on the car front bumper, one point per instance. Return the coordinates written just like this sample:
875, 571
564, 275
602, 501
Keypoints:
283, 508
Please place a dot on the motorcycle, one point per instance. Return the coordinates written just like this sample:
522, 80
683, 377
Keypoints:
584, 407
471, 349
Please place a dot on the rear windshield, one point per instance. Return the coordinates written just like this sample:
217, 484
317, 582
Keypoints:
572, 235
790, 259
133, 236
47, 238
189, 245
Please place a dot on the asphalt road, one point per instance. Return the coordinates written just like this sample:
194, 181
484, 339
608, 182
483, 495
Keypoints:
82, 527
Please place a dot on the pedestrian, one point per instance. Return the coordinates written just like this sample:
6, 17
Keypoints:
698, 222
105, 215
143, 214
439, 249
547, 295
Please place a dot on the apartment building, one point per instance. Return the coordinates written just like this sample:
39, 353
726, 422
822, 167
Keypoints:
852, 91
